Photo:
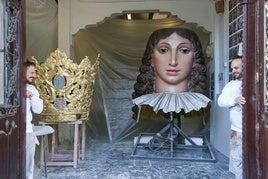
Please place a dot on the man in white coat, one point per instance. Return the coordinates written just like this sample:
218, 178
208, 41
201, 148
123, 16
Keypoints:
33, 104
232, 98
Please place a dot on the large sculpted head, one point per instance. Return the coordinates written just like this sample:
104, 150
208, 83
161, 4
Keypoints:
173, 61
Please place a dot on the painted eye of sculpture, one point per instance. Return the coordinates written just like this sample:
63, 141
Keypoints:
184, 50
163, 50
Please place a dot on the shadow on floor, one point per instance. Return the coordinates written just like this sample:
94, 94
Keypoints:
114, 161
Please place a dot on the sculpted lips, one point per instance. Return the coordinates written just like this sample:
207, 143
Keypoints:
172, 71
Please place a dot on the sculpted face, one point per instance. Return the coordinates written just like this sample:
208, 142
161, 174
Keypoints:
172, 60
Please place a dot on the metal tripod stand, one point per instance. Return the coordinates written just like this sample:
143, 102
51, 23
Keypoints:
160, 145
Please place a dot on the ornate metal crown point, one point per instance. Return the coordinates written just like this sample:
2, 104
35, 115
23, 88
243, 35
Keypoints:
65, 87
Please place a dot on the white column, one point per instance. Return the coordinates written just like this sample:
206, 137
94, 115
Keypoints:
64, 36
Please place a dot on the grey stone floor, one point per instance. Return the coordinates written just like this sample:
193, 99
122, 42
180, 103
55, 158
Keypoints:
113, 161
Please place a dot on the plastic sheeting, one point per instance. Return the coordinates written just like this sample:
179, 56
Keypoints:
41, 28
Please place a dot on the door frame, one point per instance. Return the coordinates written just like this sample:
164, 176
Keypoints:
13, 106
254, 143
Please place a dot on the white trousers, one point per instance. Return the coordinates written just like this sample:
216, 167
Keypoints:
30, 151
236, 154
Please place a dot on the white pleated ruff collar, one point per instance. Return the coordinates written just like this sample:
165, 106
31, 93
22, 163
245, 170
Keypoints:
173, 102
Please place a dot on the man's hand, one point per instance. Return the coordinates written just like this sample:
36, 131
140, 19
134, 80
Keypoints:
29, 94
240, 100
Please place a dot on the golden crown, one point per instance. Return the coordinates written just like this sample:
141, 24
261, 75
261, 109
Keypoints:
65, 87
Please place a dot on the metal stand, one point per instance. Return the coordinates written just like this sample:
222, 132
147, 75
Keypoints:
43, 131
44, 153
159, 146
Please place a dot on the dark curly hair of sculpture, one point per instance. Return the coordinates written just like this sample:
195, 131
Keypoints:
197, 80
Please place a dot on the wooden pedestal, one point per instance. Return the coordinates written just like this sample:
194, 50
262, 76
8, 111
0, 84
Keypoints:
56, 157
